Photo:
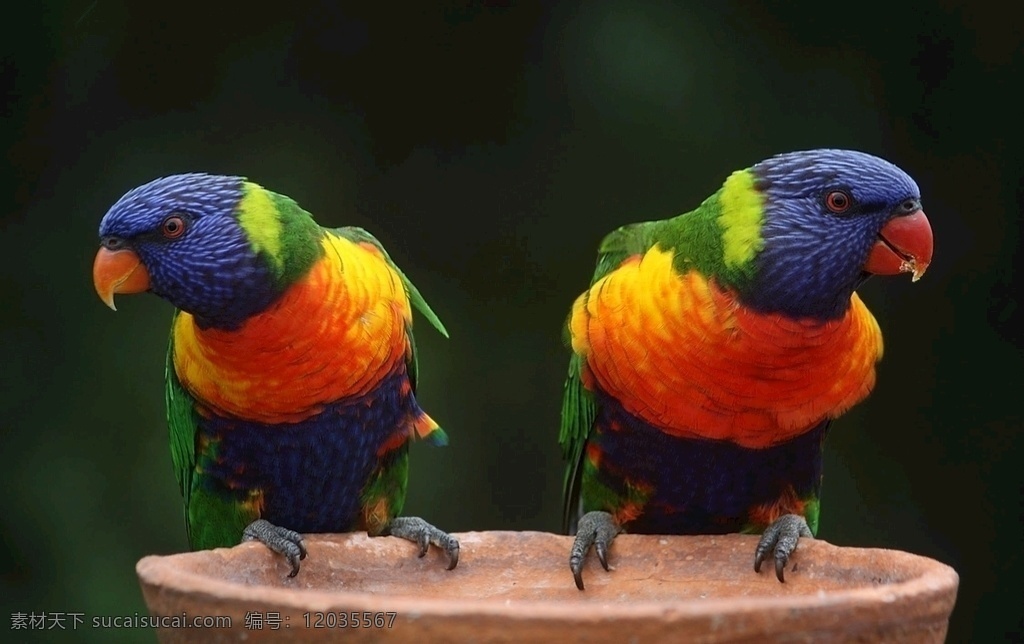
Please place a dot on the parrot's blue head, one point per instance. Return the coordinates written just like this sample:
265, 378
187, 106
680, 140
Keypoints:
185, 238
829, 218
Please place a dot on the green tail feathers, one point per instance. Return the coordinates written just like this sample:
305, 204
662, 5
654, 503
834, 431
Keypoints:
437, 438
421, 304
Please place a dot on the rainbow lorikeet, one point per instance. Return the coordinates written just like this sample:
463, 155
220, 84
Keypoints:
291, 372
712, 351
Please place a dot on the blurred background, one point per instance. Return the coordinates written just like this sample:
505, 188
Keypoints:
490, 147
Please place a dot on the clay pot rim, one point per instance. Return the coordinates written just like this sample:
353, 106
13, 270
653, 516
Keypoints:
931, 578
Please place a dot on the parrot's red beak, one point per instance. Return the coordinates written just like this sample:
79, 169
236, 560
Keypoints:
118, 271
904, 246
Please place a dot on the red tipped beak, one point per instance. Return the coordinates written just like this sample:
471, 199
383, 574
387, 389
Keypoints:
118, 271
904, 246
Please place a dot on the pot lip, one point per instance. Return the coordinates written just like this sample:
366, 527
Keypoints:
932, 579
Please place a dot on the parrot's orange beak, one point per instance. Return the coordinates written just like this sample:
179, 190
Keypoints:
118, 271
904, 246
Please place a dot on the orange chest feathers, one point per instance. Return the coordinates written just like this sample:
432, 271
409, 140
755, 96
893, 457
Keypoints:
333, 334
682, 354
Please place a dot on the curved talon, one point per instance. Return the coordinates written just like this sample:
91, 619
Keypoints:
760, 554
294, 561
424, 544
780, 540
453, 555
288, 543
597, 529
578, 554
577, 574
423, 534
602, 554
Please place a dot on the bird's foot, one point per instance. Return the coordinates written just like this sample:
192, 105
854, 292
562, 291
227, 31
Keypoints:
779, 541
420, 532
597, 529
283, 541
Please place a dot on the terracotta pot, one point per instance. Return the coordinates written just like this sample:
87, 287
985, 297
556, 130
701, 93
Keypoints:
517, 587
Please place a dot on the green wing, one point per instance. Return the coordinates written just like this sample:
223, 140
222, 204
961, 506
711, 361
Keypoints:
578, 412
183, 424
578, 405
356, 234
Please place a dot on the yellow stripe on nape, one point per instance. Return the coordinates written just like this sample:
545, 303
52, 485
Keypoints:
259, 218
740, 220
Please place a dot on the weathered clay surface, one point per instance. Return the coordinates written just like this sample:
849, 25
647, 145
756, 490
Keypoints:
517, 587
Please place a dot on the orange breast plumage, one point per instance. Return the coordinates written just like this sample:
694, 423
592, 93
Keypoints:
682, 353
333, 334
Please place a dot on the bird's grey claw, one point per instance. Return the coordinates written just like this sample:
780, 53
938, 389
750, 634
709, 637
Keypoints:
423, 534
779, 541
287, 543
597, 529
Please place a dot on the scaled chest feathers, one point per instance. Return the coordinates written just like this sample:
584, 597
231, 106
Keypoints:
332, 335
683, 354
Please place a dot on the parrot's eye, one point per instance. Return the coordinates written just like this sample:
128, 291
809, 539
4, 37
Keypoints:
838, 201
173, 227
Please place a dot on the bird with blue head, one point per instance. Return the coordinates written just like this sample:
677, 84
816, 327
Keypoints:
712, 351
291, 372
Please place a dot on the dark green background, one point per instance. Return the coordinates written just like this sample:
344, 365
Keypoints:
490, 149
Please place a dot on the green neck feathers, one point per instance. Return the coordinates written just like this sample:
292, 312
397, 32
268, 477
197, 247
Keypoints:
280, 232
722, 236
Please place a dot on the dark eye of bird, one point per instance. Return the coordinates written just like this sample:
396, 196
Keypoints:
838, 201
173, 227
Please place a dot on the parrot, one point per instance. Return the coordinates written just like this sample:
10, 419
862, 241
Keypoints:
712, 351
291, 370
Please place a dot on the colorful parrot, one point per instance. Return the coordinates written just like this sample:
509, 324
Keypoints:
712, 351
291, 372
